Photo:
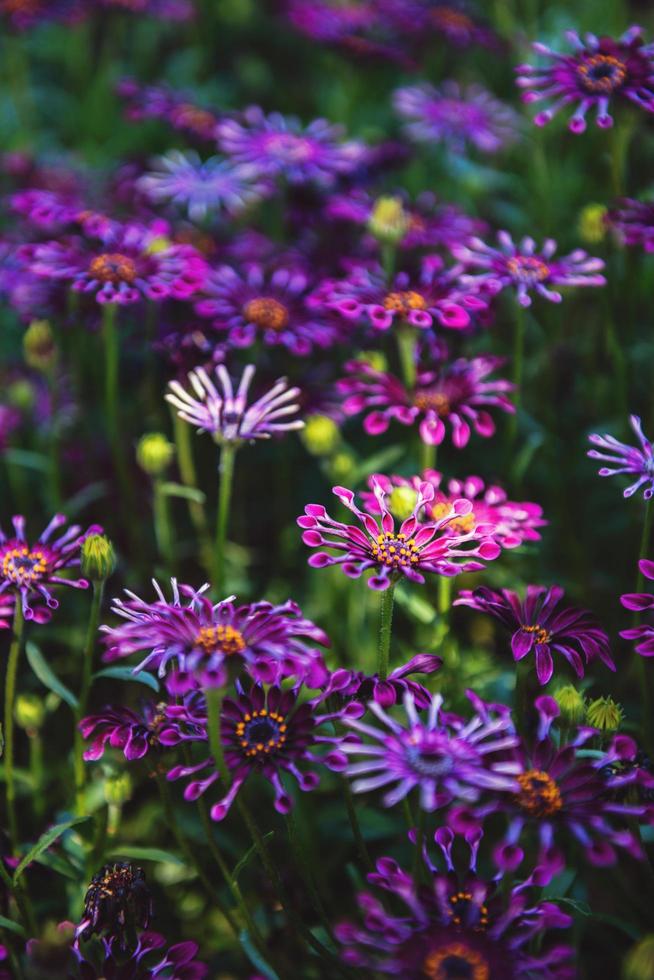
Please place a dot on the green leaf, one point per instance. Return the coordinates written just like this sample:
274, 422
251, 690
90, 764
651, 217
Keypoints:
45, 841
255, 957
30, 460
179, 490
11, 926
127, 674
417, 607
47, 676
249, 854
145, 854
379, 463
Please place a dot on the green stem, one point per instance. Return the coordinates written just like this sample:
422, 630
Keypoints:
226, 469
87, 673
385, 625
111, 362
36, 770
427, 455
388, 253
303, 864
521, 696
406, 348
189, 479
162, 526
359, 840
518, 360
10, 697
214, 697
417, 855
620, 140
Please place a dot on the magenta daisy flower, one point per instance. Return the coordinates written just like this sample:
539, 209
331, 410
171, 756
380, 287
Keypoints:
121, 264
354, 685
30, 570
433, 298
268, 303
538, 626
162, 102
445, 757
456, 116
634, 222
512, 523
47, 210
414, 548
598, 70
226, 415
456, 394
199, 640
633, 460
280, 146
117, 727
458, 925
640, 602
264, 732
457, 23
523, 268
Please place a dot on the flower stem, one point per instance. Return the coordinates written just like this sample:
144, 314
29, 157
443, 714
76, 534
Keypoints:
521, 696
111, 358
303, 864
406, 348
87, 671
189, 479
16, 889
427, 455
226, 470
162, 528
215, 696
385, 625
620, 140
359, 840
388, 253
10, 697
518, 360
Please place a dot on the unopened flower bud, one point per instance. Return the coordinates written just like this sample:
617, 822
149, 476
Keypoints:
402, 502
320, 435
375, 359
118, 789
592, 223
572, 705
341, 466
39, 347
639, 961
98, 558
29, 712
160, 243
21, 394
388, 220
605, 714
154, 453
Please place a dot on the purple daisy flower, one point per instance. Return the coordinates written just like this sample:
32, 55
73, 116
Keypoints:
565, 791
202, 188
524, 268
29, 570
47, 210
456, 23
161, 102
455, 393
457, 925
456, 116
639, 602
198, 639
634, 222
436, 297
121, 264
638, 462
264, 731
333, 20
226, 415
280, 146
598, 70
118, 727
271, 303
354, 685
23, 14
538, 626
416, 547
513, 523
445, 757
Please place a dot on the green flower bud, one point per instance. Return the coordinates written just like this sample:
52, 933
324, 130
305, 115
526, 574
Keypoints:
639, 961
21, 395
118, 789
592, 223
320, 435
388, 220
154, 453
341, 466
39, 347
605, 714
29, 712
375, 359
402, 501
98, 558
572, 705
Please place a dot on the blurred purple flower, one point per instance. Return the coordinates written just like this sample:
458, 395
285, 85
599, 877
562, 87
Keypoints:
640, 602
638, 462
118, 727
634, 222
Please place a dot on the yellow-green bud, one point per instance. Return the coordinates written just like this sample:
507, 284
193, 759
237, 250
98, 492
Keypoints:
160, 243
375, 359
592, 223
154, 453
388, 220
320, 435
98, 558
118, 789
341, 466
39, 347
605, 714
571, 705
21, 394
402, 502
29, 712
639, 961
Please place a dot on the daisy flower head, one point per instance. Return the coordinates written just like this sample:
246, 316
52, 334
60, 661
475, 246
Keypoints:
636, 461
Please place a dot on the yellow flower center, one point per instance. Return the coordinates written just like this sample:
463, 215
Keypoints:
459, 903
22, 566
267, 313
223, 638
540, 635
602, 74
462, 524
113, 267
456, 962
528, 269
434, 401
404, 302
395, 550
539, 795
261, 732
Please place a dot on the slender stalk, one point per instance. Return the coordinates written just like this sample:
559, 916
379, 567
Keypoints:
214, 697
385, 625
87, 671
521, 696
10, 698
189, 479
111, 359
15, 888
518, 359
620, 138
417, 854
36, 770
388, 253
359, 840
162, 527
226, 469
406, 349
427, 455
303, 864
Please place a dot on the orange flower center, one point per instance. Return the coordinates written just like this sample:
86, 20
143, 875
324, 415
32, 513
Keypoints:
602, 74
461, 524
527, 269
540, 635
395, 550
404, 302
539, 795
459, 902
456, 961
432, 401
22, 566
113, 267
261, 732
194, 118
223, 638
267, 313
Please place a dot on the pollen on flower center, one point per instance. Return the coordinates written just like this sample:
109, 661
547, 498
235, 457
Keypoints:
540, 635
539, 794
527, 269
434, 401
22, 566
267, 313
113, 267
460, 903
456, 962
225, 639
602, 73
289, 147
462, 525
404, 302
395, 550
261, 732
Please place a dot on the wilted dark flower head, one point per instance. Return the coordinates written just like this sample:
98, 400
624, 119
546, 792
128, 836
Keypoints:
116, 904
